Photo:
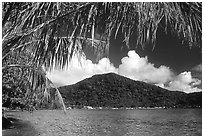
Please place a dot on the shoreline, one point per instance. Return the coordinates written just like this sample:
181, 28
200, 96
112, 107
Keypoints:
129, 108
19, 127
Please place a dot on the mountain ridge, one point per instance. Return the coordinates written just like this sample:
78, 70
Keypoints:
113, 90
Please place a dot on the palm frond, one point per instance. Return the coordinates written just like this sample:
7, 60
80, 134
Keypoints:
37, 83
43, 25
59, 96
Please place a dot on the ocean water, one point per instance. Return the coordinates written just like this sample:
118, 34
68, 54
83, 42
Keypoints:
120, 122
171, 122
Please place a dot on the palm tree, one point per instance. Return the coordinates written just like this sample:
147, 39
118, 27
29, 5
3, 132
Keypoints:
26, 83
52, 31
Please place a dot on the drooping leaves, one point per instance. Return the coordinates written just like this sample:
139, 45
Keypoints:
53, 31
45, 26
27, 81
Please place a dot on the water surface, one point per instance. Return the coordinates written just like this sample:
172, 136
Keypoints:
84, 122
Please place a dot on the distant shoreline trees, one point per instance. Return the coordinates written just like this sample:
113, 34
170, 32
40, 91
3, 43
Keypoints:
51, 32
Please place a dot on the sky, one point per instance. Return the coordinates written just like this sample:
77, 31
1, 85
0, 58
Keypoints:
170, 65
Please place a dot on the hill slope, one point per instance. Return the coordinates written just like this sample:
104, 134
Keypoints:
112, 90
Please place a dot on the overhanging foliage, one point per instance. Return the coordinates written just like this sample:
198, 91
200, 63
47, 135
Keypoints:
41, 26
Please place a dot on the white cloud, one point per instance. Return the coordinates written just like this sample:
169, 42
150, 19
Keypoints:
138, 68
80, 68
133, 66
184, 82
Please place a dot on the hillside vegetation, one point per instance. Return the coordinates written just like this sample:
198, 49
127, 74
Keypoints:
112, 90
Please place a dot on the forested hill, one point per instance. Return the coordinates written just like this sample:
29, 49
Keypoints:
112, 90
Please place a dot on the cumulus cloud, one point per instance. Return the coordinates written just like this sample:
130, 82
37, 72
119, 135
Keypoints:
184, 82
138, 68
80, 68
132, 66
